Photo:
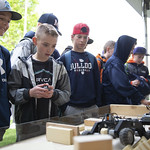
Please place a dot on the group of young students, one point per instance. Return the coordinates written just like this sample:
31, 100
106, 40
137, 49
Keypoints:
40, 86
117, 87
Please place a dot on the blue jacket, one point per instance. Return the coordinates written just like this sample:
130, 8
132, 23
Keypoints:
5, 68
132, 68
135, 71
116, 86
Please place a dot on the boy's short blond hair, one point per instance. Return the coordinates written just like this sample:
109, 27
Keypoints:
46, 29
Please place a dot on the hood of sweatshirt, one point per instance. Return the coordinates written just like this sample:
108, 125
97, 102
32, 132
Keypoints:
123, 47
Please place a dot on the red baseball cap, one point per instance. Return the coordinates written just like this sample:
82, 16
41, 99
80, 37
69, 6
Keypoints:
81, 28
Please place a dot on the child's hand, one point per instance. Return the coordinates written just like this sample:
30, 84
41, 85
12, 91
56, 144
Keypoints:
135, 83
40, 91
49, 92
145, 102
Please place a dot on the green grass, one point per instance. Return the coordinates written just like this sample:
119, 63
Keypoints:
9, 137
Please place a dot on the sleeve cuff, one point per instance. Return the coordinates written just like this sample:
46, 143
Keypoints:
55, 95
26, 95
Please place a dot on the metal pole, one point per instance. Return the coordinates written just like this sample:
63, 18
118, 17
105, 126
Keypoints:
144, 14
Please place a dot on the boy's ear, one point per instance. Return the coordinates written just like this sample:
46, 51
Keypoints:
108, 49
72, 36
38, 24
34, 39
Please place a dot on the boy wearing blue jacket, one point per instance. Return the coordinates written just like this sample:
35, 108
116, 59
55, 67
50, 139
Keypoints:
6, 15
137, 72
83, 72
116, 86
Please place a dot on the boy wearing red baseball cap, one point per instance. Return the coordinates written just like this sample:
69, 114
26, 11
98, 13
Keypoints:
83, 72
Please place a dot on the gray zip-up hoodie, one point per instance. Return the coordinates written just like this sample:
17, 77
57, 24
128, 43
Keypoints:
22, 79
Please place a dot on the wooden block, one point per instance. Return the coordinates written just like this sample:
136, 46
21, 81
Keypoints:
127, 110
91, 121
88, 128
59, 135
81, 127
139, 142
142, 144
128, 147
148, 141
146, 145
141, 147
93, 142
75, 128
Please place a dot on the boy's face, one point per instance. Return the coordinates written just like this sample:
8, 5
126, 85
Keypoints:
131, 52
79, 42
138, 58
5, 18
109, 52
45, 46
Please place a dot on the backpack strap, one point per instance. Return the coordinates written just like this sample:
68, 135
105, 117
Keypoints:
68, 60
91, 58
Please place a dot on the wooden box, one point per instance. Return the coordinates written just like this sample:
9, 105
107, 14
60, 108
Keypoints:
61, 133
124, 110
93, 142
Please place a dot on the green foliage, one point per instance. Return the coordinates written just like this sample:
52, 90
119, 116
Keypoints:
16, 30
9, 137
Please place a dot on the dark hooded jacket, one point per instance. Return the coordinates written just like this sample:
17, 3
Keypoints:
117, 89
5, 68
135, 71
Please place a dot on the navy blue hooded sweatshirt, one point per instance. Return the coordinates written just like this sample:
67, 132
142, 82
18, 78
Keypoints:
5, 68
116, 86
85, 80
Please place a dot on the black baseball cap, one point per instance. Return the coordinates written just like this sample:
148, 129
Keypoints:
90, 41
5, 7
50, 19
140, 50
